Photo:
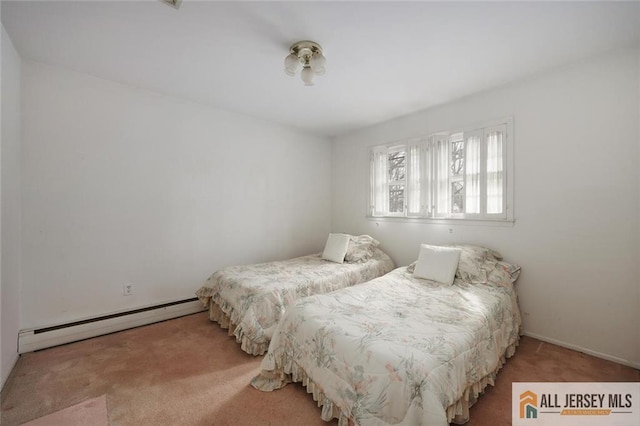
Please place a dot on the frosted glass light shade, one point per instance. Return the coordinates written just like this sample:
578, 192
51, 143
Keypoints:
307, 76
291, 64
317, 63
307, 56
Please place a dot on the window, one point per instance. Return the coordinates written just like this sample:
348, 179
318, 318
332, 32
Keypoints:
449, 175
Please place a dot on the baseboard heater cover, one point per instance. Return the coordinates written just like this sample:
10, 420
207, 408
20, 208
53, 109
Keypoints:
45, 337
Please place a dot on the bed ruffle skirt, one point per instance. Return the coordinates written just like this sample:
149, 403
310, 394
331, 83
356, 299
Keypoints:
457, 413
228, 319
271, 380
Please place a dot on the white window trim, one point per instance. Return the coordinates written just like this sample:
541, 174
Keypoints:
426, 215
444, 221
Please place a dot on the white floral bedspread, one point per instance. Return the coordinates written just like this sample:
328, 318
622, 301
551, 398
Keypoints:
395, 350
251, 299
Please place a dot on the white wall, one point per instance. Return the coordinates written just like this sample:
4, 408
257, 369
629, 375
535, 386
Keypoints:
10, 202
121, 185
576, 189
637, 338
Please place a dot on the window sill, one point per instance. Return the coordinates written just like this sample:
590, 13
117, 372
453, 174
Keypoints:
444, 221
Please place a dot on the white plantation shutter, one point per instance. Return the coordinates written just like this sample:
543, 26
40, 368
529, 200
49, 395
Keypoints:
441, 154
449, 175
380, 195
495, 170
429, 190
415, 171
472, 172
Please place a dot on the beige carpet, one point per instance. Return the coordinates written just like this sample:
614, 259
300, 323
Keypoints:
90, 412
188, 371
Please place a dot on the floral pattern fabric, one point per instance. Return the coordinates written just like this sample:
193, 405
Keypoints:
474, 263
398, 349
249, 300
361, 248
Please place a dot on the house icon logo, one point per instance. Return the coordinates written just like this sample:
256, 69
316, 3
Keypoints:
528, 405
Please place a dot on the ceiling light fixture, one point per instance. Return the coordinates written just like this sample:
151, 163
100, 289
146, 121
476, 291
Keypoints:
307, 54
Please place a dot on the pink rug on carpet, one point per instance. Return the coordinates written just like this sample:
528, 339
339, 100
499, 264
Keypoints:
90, 412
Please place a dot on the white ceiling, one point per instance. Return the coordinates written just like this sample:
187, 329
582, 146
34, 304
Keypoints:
384, 59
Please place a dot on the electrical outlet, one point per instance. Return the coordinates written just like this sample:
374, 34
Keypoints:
127, 289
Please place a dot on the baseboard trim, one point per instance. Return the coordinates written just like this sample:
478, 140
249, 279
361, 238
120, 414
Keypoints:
45, 337
584, 350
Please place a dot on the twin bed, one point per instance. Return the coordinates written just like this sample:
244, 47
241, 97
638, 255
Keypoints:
398, 348
250, 300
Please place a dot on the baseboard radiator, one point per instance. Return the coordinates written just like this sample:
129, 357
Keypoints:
46, 337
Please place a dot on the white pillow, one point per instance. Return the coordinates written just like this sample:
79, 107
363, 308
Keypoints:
336, 247
437, 263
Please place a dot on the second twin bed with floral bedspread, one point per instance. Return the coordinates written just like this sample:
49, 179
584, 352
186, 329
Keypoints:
400, 348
